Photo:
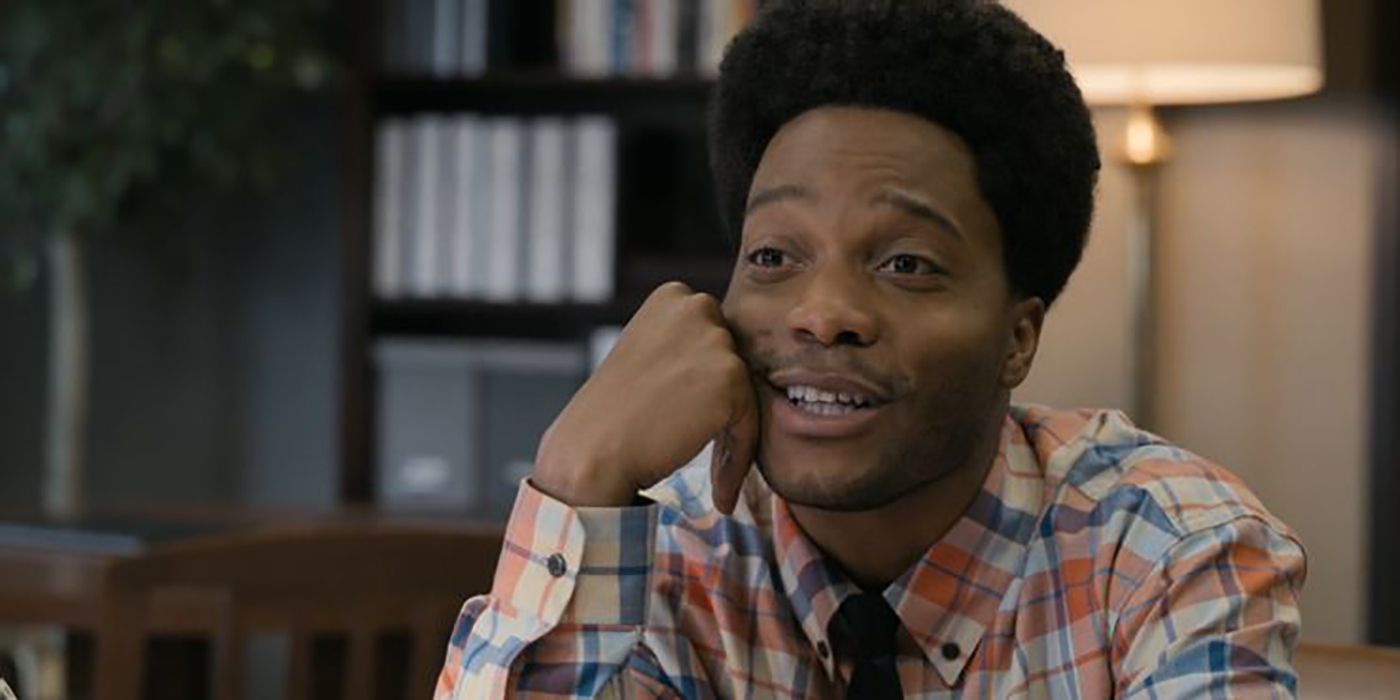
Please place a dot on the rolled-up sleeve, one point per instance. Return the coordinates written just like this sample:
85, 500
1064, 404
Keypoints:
566, 608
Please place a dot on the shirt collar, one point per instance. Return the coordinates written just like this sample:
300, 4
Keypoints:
951, 595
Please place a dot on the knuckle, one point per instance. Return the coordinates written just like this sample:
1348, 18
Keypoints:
706, 300
704, 305
672, 288
665, 295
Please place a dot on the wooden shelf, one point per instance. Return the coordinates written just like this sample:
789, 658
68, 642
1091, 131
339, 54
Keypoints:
544, 92
471, 318
481, 319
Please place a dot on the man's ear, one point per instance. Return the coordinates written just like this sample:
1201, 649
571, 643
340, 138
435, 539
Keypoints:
1026, 317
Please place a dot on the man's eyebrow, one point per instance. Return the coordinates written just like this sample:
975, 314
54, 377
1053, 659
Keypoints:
914, 207
777, 194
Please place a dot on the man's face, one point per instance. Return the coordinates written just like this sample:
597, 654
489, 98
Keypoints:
871, 266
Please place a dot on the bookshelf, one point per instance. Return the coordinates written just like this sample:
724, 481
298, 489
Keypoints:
669, 100
666, 226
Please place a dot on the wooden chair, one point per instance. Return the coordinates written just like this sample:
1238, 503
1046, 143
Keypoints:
357, 580
1347, 672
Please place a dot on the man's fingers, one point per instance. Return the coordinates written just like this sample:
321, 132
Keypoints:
734, 452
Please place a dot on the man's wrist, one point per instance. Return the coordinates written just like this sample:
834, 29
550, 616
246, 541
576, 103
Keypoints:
582, 480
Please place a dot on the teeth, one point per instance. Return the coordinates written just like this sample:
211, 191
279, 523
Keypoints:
826, 409
818, 397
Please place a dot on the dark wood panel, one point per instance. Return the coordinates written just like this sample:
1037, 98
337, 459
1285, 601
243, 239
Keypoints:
677, 100
481, 319
448, 317
355, 405
1362, 42
1384, 549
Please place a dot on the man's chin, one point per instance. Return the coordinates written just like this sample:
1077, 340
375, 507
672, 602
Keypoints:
843, 487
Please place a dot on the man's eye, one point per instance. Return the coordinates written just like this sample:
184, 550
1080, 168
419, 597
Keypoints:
906, 264
767, 257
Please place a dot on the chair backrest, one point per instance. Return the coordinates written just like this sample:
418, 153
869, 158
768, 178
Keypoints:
357, 579
1347, 672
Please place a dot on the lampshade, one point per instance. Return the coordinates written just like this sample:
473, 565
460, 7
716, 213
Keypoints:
1183, 51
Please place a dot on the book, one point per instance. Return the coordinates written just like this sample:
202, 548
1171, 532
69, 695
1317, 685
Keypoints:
472, 61
410, 175
424, 237
447, 207
621, 37
688, 36
465, 279
645, 38
446, 37
547, 200
595, 182
662, 33
418, 36
711, 21
388, 214
717, 22
587, 25
641, 37
504, 203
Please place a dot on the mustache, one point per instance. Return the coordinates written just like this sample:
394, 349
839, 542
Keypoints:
764, 362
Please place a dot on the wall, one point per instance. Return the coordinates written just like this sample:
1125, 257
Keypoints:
1267, 217
1267, 326
1084, 354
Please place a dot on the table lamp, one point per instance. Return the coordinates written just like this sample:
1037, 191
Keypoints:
1145, 53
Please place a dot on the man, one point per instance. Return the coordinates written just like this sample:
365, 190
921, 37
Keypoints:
911, 184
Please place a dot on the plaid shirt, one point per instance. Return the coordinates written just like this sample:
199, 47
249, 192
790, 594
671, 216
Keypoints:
1097, 561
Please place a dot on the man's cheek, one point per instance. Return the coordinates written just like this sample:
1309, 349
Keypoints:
749, 341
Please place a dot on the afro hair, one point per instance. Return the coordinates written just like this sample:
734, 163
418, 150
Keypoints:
970, 66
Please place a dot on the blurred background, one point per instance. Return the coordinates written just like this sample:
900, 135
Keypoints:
314, 257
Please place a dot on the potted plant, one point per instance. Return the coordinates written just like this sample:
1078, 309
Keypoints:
112, 114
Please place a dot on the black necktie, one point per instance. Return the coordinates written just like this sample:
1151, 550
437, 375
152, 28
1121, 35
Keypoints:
871, 625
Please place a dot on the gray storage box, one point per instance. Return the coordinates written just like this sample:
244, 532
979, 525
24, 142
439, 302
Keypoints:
459, 421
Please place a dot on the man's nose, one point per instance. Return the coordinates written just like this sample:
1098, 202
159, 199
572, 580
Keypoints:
834, 308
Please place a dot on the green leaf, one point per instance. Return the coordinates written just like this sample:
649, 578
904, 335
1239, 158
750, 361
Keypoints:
112, 112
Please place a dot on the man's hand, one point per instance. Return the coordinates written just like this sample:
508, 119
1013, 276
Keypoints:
673, 382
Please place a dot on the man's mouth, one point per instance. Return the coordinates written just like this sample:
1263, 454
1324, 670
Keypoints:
826, 403
823, 405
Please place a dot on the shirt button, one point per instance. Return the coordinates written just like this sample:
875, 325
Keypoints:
822, 650
950, 651
557, 565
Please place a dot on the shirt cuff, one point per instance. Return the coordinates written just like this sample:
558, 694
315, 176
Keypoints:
578, 565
